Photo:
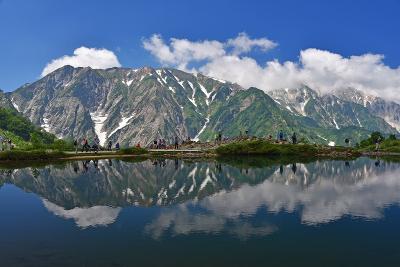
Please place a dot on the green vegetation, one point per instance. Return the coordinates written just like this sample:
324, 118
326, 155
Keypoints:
26, 136
132, 151
262, 147
11, 122
390, 144
16, 155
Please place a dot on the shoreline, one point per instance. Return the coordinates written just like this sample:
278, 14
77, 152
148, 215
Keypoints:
186, 154
242, 149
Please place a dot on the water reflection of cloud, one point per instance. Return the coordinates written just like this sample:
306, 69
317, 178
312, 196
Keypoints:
326, 199
182, 221
85, 217
321, 202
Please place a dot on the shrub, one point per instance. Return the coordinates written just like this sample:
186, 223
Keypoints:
132, 151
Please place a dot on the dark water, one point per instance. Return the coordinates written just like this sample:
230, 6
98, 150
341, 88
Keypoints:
244, 212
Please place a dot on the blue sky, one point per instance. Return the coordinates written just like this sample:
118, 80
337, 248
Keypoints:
32, 33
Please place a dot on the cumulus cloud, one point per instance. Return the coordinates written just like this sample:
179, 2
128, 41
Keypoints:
180, 52
322, 70
84, 57
243, 44
85, 217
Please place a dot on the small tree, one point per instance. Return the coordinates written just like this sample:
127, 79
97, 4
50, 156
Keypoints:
375, 136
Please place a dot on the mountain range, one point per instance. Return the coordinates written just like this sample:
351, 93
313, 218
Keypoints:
133, 106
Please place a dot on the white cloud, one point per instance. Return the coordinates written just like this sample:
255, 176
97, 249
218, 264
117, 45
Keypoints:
243, 44
180, 52
322, 70
85, 217
84, 57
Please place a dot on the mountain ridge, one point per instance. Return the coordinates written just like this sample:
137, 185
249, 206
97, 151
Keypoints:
133, 106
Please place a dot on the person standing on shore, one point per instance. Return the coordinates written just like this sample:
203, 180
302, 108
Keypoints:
76, 146
1, 142
176, 142
378, 143
294, 138
347, 141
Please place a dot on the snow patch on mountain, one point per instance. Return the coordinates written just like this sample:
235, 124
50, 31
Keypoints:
45, 125
122, 124
99, 118
15, 105
336, 125
207, 94
202, 129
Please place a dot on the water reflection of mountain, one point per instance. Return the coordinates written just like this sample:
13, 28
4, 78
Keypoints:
325, 190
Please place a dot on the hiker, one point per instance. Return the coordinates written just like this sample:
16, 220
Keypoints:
10, 145
76, 146
138, 145
347, 141
378, 143
84, 143
117, 146
109, 146
176, 142
247, 133
154, 144
1, 143
280, 135
163, 143
159, 144
219, 137
294, 138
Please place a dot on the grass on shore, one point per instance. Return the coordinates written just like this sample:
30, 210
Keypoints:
16, 155
392, 146
49, 154
132, 151
262, 147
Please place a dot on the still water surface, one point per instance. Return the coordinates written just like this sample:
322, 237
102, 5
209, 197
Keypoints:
247, 212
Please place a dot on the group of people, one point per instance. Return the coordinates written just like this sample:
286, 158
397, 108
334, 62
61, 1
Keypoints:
5, 144
281, 137
159, 144
162, 143
94, 146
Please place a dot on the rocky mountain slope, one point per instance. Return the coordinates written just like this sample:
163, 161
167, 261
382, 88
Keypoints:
124, 105
387, 110
139, 105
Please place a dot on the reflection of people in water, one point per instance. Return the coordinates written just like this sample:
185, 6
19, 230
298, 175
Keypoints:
76, 167
110, 162
281, 169
218, 166
96, 164
85, 166
347, 164
294, 168
176, 164
160, 162
377, 162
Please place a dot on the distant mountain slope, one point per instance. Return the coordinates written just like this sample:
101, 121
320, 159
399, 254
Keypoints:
387, 110
4, 101
140, 105
329, 111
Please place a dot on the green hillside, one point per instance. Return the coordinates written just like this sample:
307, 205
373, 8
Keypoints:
23, 133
